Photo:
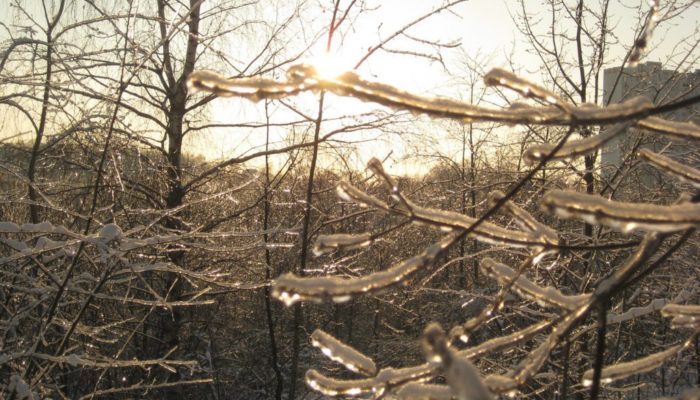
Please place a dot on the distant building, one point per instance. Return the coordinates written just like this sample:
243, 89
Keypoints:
660, 86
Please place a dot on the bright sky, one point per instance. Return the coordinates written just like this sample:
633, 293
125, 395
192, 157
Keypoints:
482, 27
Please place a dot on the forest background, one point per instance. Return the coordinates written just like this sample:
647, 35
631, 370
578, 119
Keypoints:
150, 228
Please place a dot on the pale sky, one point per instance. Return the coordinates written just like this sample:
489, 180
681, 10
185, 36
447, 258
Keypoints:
482, 27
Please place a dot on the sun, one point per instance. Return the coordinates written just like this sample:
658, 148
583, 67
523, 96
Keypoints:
329, 66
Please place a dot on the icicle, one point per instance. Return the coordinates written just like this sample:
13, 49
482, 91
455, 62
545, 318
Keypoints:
625, 369
685, 172
340, 241
642, 42
500, 77
526, 288
626, 217
462, 376
289, 288
574, 148
342, 353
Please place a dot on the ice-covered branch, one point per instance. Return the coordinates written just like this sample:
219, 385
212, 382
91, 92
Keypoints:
528, 289
574, 148
684, 316
626, 217
342, 353
304, 77
683, 171
290, 288
625, 369
462, 376
524, 219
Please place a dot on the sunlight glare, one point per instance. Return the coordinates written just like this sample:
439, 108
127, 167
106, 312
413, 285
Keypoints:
329, 66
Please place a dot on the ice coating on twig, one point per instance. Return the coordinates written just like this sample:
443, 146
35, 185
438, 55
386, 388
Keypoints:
504, 342
304, 77
501, 77
421, 391
524, 219
684, 316
638, 366
384, 380
642, 42
256, 88
528, 289
341, 241
625, 217
681, 130
636, 312
347, 192
683, 171
462, 376
574, 148
290, 288
486, 232
342, 353
389, 378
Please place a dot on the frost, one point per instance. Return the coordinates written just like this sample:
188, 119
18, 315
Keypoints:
685, 172
342, 353
625, 217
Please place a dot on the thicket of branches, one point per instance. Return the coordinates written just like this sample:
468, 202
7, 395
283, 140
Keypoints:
515, 266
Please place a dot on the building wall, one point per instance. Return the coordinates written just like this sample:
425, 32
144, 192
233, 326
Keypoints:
660, 86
